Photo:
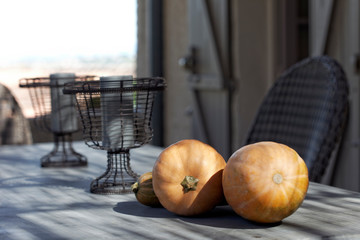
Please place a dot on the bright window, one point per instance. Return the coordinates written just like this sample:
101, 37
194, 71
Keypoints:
40, 37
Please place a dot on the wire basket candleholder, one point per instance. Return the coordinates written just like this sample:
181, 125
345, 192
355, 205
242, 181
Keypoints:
116, 115
56, 113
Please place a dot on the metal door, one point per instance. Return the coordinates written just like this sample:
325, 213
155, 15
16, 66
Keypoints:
208, 62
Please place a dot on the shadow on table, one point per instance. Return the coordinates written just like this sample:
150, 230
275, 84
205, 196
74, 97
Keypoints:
23, 169
221, 216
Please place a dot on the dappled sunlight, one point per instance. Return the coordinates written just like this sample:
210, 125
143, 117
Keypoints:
55, 203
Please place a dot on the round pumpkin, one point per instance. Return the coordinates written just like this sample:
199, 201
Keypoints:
187, 177
144, 192
265, 182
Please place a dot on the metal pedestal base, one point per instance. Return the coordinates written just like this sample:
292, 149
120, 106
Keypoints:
118, 176
63, 155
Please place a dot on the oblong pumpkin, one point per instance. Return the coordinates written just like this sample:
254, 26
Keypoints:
187, 177
144, 192
265, 182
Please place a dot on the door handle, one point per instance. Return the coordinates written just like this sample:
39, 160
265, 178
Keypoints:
188, 62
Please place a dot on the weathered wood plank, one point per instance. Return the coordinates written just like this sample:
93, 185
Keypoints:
38, 203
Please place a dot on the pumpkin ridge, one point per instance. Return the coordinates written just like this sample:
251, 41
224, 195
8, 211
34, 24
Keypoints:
284, 194
295, 188
258, 195
268, 211
296, 176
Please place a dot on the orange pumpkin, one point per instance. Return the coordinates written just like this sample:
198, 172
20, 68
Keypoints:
265, 182
187, 177
144, 191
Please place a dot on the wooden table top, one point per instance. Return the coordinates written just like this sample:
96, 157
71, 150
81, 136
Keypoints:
55, 203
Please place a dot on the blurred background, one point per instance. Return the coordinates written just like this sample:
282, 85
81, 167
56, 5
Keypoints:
219, 58
84, 37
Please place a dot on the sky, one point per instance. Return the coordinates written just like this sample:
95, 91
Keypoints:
52, 28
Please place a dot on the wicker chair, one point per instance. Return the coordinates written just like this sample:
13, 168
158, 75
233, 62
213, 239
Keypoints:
306, 109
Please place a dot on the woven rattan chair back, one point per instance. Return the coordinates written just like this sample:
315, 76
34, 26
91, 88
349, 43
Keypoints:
306, 109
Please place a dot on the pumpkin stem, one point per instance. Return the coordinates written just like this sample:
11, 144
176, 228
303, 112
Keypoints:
278, 178
189, 183
135, 187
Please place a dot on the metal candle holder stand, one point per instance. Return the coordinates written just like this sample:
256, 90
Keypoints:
116, 117
56, 113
